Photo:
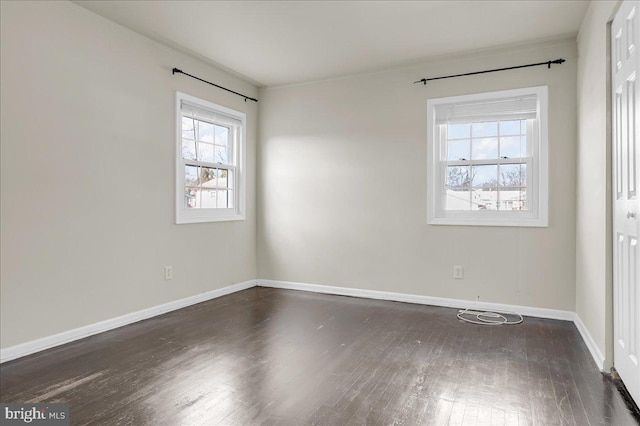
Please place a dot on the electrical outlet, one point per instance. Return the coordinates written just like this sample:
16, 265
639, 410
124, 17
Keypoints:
168, 273
458, 272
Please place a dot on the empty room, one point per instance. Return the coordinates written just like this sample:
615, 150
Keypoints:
319, 212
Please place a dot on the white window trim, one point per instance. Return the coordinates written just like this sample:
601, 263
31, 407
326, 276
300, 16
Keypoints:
184, 215
538, 180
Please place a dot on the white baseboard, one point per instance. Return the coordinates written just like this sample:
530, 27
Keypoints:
450, 303
421, 300
588, 340
38, 345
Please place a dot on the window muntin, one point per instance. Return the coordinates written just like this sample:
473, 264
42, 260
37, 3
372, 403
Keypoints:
488, 159
210, 160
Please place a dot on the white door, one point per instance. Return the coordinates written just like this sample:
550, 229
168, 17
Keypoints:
625, 63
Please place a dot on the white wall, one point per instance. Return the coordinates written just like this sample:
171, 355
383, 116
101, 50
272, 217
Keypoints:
342, 183
593, 216
87, 174
87, 112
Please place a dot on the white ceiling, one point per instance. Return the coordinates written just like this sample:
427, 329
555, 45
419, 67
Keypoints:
281, 42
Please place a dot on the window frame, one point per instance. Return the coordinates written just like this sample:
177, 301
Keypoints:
536, 160
238, 136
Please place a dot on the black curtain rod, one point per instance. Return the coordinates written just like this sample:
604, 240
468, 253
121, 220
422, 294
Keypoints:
548, 64
176, 70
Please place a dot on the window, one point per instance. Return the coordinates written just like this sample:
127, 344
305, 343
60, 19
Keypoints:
209, 161
488, 159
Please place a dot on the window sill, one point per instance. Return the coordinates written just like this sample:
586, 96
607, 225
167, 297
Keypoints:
521, 222
206, 219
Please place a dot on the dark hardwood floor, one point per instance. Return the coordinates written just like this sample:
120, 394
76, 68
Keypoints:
267, 356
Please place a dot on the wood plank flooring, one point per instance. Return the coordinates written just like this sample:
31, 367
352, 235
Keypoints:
280, 357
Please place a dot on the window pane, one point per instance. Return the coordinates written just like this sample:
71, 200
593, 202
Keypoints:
188, 129
191, 176
188, 149
484, 148
205, 131
222, 136
523, 127
458, 150
509, 128
222, 155
457, 176
191, 198
230, 200
222, 200
485, 199
205, 152
458, 199
230, 179
515, 199
513, 175
222, 178
458, 131
208, 177
484, 129
484, 176
209, 198
513, 147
